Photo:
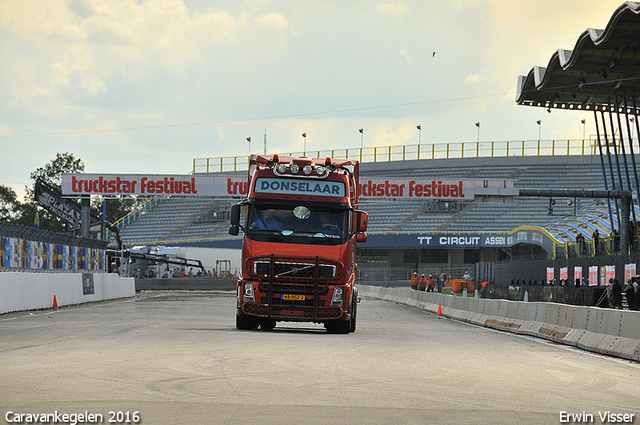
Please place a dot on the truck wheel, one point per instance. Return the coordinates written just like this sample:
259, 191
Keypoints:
245, 323
267, 324
338, 326
354, 315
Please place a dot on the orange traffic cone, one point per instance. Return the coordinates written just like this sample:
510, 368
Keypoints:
439, 313
55, 302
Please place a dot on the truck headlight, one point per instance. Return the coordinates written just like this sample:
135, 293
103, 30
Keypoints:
338, 294
248, 292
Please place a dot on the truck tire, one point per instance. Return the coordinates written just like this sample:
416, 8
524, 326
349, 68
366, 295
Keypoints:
267, 324
338, 326
354, 313
245, 323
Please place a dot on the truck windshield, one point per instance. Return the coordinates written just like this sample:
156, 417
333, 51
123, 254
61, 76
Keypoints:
304, 221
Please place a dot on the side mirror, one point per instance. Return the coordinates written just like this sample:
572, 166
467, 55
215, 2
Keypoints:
361, 237
363, 219
234, 217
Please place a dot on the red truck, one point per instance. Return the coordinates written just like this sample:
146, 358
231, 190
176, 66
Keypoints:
301, 224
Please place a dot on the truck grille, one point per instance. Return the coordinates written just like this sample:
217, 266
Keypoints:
294, 275
294, 270
283, 312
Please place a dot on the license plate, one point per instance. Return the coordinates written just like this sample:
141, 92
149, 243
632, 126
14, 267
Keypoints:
293, 297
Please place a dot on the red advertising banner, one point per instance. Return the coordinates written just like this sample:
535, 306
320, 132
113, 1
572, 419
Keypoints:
550, 274
629, 271
215, 185
564, 273
593, 276
423, 189
152, 184
610, 273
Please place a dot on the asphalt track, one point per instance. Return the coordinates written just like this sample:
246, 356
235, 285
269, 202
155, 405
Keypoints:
176, 358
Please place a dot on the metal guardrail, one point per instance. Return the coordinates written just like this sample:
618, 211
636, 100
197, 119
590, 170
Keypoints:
421, 151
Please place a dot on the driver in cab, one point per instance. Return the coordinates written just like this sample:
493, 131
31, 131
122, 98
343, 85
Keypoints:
327, 226
266, 221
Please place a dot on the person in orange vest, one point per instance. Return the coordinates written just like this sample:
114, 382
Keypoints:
432, 283
414, 281
423, 283
485, 285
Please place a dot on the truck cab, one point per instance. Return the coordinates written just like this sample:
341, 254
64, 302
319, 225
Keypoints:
301, 226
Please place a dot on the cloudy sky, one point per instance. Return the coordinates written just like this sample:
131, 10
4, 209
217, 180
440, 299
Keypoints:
146, 86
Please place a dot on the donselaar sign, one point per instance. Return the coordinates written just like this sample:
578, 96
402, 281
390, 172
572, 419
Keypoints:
300, 187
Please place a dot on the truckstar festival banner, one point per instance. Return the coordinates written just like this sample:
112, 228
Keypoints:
142, 184
424, 189
217, 185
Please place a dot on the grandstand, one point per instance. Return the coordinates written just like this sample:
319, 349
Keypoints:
204, 221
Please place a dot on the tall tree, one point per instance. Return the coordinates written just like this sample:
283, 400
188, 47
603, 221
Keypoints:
9, 204
63, 163
51, 173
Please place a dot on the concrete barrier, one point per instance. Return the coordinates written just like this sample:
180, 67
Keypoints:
611, 332
186, 284
21, 291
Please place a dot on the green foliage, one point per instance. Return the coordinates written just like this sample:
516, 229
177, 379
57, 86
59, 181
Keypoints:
52, 172
13, 211
118, 207
9, 204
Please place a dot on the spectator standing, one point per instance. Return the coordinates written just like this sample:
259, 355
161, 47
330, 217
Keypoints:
414, 281
466, 275
432, 284
630, 293
610, 293
595, 237
443, 279
636, 293
423, 283
617, 294
580, 243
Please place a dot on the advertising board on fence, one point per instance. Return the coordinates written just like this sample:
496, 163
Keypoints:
220, 185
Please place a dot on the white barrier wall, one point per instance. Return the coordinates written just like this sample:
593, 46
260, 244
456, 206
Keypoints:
612, 332
31, 291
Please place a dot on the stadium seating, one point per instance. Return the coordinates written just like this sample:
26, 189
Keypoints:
178, 220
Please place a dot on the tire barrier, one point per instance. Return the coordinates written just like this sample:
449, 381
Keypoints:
611, 332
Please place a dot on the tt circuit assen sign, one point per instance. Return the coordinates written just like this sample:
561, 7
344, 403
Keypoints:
463, 239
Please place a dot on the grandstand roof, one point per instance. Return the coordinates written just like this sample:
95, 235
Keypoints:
603, 64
